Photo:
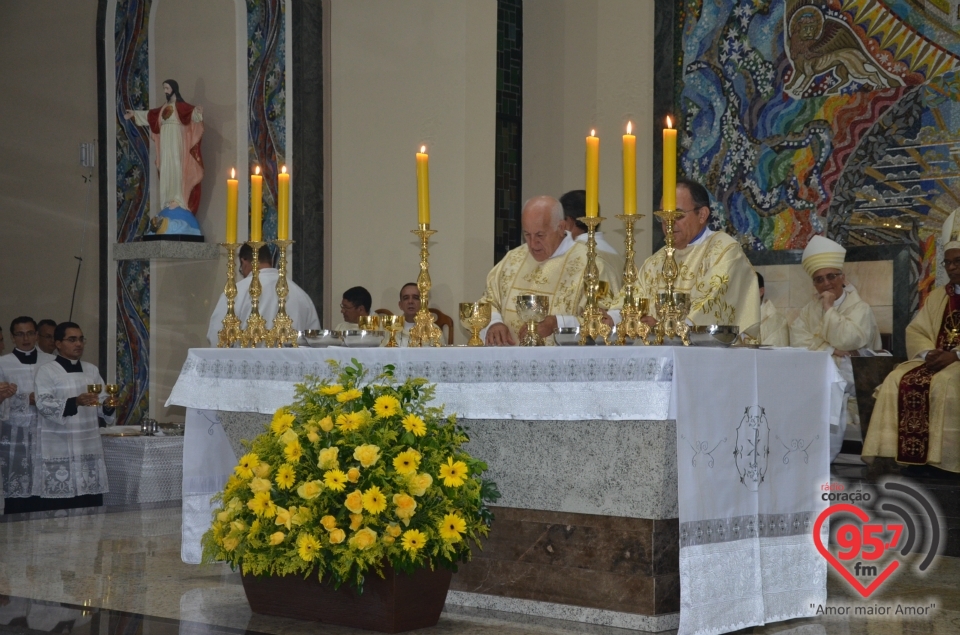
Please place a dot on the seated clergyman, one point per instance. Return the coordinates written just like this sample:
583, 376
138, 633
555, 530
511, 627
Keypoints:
356, 303
774, 330
917, 415
836, 321
549, 263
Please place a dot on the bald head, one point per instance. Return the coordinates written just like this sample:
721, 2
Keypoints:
541, 218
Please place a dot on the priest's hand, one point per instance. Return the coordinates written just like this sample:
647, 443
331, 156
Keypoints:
839, 353
546, 328
827, 298
7, 390
499, 335
606, 319
649, 320
937, 360
88, 399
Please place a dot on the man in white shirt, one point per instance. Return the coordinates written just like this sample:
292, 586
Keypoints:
409, 305
299, 305
575, 206
355, 304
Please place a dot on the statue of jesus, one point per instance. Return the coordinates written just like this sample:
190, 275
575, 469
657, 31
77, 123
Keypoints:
177, 129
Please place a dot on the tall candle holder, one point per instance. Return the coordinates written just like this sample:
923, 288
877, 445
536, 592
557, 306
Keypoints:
424, 331
230, 334
630, 325
591, 321
671, 313
282, 333
256, 329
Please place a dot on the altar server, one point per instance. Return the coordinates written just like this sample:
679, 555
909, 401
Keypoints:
917, 415
549, 263
72, 469
836, 321
575, 207
355, 304
774, 330
19, 425
300, 307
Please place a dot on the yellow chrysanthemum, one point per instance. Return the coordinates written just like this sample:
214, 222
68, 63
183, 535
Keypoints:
419, 483
355, 521
284, 517
363, 539
270, 509
293, 452
353, 475
262, 470
367, 454
335, 480
349, 395
310, 490
326, 424
337, 536
246, 465
258, 484
329, 522
406, 506
453, 472
374, 501
307, 547
407, 461
286, 476
282, 421
351, 421
231, 543
452, 527
413, 540
413, 423
386, 406
331, 390
277, 538
254, 530
233, 482
328, 458
354, 501
260, 503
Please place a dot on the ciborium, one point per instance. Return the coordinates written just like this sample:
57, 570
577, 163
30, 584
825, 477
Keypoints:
476, 317
112, 390
672, 307
532, 309
392, 324
368, 323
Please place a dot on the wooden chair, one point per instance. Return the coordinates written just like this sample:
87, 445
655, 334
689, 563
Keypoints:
443, 320
383, 312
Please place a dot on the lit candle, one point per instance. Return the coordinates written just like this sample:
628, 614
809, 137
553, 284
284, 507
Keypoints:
283, 204
669, 166
232, 185
593, 174
256, 206
629, 172
423, 186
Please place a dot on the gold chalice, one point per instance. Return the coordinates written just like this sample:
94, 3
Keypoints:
392, 324
475, 316
368, 322
532, 309
113, 390
95, 388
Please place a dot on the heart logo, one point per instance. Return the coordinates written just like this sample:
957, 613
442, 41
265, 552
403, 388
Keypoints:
865, 591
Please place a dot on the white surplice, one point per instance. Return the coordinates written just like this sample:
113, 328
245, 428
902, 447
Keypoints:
19, 425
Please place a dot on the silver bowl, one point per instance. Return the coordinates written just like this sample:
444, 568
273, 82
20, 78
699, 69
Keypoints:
567, 336
362, 339
714, 335
321, 338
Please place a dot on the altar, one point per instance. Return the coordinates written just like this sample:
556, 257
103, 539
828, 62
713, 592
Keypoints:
590, 447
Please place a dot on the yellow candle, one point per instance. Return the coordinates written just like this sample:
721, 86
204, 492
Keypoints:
669, 166
629, 172
423, 186
593, 174
256, 206
283, 205
232, 185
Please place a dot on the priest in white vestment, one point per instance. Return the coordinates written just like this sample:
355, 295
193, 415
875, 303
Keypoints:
774, 329
300, 307
575, 207
836, 321
72, 468
19, 425
916, 419
549, 263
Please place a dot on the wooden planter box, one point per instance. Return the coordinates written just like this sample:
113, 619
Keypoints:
394, 604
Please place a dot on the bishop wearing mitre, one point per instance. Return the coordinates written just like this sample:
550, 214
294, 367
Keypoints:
549, 263
917, 415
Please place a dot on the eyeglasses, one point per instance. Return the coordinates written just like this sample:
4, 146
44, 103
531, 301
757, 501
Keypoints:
830, 277
346, 307
25, 334
950, 263
75, 339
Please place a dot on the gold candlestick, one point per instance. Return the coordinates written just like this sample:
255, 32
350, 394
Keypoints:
256, 330
672, 307
282, 332
630, 325
591, 325
230, 333
424, 332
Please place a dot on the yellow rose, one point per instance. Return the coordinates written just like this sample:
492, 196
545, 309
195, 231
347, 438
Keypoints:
223, 516
388, 540
262, 470
329, 522
394, 530
328, 458
419, 483
367, 454
337, 536
355, 521
284, 517
288, 437
259, 485
353, 475
312, 436
310, 490
230, 543
331, 390
406, 506
277, 538
363, 539
326, 424
354, 501
238, 526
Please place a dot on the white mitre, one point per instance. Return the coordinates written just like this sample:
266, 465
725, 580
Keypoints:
950, 232
822, 253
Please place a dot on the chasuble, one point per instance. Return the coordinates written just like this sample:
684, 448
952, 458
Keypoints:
19, 425
917, 416
774, 330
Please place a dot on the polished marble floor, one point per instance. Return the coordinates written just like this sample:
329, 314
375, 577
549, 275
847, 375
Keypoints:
119, 573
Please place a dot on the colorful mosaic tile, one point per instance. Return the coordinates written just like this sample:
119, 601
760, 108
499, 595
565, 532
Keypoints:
508, 126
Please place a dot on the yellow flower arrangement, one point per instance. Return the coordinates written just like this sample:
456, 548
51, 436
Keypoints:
365, 474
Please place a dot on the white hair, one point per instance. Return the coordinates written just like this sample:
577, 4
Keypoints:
556, 210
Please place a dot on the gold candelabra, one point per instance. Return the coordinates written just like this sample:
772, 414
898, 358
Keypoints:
282, 332
230, 334
256, 330
633, 305
672, 307
424, 332
591, 321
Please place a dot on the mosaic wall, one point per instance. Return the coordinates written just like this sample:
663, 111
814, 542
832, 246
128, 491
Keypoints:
833, 117
508, 126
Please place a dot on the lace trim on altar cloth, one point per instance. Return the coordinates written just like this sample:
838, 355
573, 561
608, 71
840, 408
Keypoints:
73, 476
716, 530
